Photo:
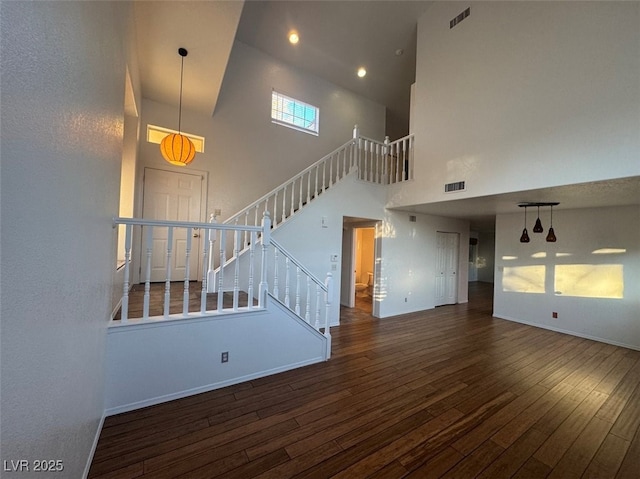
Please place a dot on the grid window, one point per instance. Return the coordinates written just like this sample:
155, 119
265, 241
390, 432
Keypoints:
294, 113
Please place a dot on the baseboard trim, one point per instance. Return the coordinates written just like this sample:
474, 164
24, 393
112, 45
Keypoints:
209, 387
566, 331
92, 452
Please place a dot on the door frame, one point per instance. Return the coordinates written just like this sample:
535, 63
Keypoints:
349, 260
137, 238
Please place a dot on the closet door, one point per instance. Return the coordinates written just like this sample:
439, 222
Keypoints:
446, 291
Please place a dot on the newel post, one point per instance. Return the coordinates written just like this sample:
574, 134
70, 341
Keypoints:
385, 161
355, 159
266, 240
328, 298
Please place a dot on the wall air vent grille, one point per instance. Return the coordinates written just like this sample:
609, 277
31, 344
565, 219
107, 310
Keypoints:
457, 186
459, 18
412, 218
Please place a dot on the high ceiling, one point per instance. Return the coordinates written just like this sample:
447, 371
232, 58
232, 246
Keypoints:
336, 38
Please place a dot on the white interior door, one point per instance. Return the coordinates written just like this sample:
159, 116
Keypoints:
446, 268
172, 196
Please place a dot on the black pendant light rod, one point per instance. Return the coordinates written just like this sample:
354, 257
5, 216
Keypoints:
183, 53
527, 205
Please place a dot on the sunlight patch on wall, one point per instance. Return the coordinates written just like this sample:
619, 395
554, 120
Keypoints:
609, 251
509, 258
523, 279
590, 280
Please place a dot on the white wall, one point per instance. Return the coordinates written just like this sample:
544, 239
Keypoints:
520, 90
407, 250
186, 355
313, 244
247, 155
580, 233
408, 267
63, 76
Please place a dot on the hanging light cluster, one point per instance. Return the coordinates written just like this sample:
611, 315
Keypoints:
177, 148
551, 235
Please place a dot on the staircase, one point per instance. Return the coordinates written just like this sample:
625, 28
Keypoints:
153, 359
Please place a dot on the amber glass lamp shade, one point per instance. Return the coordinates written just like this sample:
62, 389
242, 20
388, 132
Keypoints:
177, 149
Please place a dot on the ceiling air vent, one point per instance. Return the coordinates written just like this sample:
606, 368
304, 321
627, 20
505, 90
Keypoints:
459, 18
457, 186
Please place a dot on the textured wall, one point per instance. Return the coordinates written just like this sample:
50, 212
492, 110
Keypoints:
62, 108
245, 154
524, 95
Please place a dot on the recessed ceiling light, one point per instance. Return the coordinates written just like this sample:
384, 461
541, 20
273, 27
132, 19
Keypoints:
362, 72
293, 37
399, 52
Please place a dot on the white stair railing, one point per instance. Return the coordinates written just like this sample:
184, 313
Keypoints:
385, 162
373, 161
287, 199
377, 162
313, 296
213, 233
267, 256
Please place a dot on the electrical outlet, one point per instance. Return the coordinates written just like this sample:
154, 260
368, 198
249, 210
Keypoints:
224, 357
554, 315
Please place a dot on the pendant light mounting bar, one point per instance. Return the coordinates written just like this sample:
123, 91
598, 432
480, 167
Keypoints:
533, 205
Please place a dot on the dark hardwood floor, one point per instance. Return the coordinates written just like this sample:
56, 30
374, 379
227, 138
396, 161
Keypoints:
450, 392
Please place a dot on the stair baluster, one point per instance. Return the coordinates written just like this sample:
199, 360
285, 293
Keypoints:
286, 285
185, 294
236, 276
297, 308
223, 260
275, 274
127, 259
252, 247
205, 275
167, 283
147, 280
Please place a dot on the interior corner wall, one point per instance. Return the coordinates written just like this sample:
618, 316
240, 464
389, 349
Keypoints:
521, 89
63, 71
246, 154
315, 235
597, 247
408, 261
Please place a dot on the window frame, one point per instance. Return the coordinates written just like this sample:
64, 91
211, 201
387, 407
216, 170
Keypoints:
155, 134
276, 96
